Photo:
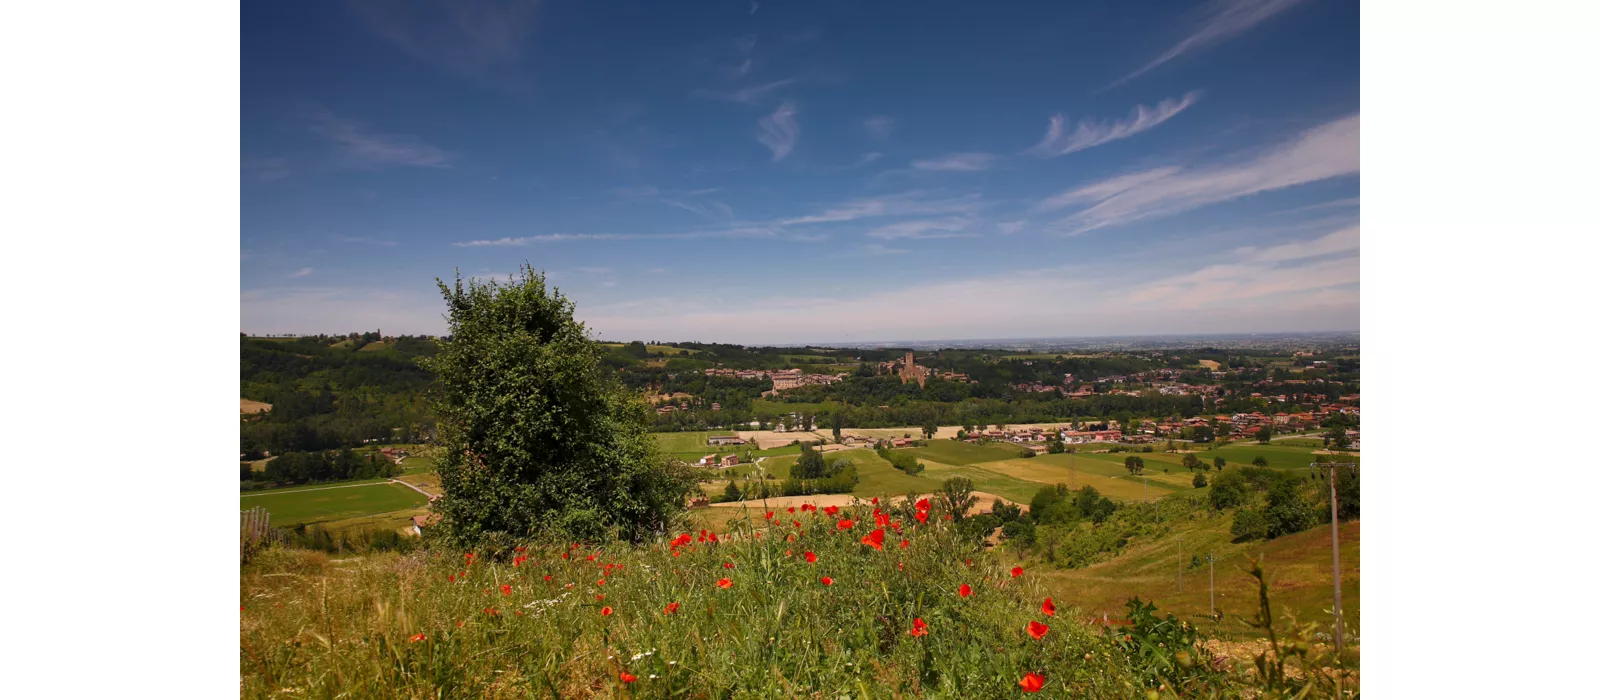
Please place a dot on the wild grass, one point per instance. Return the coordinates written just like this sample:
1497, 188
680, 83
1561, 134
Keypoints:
435, 624
332, 503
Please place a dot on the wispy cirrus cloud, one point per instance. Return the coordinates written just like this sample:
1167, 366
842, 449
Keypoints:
879, 127
362, 148
780, 130
949, 227
912, 203
742, 232
1224, 19
1328, 151
688, 200
956, 162
302, 272
483, 40
1088, 133
367, 240
748, 95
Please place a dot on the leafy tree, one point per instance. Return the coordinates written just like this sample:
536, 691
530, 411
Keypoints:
1199, 480
1205, 433
1134, 464
536, 433
1219, 463
1056, 447
1006, 512
1249, 524
731, 493
929, 430
961, 434
1228, 490
1264, 434
1349, 487
810, 465
956, 495
1191, 462
1045, 498
1259, 461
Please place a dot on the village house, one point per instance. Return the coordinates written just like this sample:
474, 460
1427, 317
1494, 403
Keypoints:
725, 440
900, 442
730, 461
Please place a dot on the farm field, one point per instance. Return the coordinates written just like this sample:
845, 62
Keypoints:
767, 439
325, 504
953, 452
248, 406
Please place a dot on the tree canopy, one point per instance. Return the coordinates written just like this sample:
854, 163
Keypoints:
537, 433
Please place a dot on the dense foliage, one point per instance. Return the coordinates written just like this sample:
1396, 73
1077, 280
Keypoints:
329, 392
313, 467
536, 433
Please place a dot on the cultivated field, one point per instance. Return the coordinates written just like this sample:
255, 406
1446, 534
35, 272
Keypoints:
326, 504
765, 439
248, 406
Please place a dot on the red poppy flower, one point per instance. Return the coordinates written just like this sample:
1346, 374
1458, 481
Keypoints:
965, 590
846, 523
452, 578
831, 510
791, 509
677, 553
602, 596
874, 500
505, 589
807, 506
671, 608
1031, 682
900, 565
601, 582
1049, 607
881, 519
924, 504
470, 555
490, 611
969, 563
827, 581
905, 543
796, 524
1037, 629
547, 578
419, 637
947, 516
725, 583
922, 516
589, 558
566, 555
811, 557
919, 628
711, 537
627, 677
606, 611
788, 552
727, 565
874, 540
769, 515
1016, 571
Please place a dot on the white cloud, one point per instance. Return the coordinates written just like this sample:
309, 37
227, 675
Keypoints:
750, 94
1344, 240
1088, 133
741, 232
479, 39
1010, 227
362, 148
912, 203
879, 127
950, 227
1328, 151
1212, 299
880, 249
780, 131
956, 162
302, 272
1224, 19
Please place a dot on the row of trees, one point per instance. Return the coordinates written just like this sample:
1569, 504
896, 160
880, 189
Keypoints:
314, 467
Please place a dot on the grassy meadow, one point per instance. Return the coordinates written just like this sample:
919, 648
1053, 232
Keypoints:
327, 504
747, 616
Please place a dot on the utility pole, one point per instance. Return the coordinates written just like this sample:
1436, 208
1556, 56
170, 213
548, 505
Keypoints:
1333, 505
1180, 564
1211, 558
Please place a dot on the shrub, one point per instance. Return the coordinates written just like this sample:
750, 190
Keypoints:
1026, 453
565, 447
1021, 531
1227, 491
1259, 461
1249, 524
1199, 481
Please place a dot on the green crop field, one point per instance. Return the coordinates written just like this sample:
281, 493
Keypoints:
955, 452
322, 504
1009, 487
879, 478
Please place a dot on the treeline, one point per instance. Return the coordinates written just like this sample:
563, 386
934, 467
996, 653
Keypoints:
293, 468
324, 394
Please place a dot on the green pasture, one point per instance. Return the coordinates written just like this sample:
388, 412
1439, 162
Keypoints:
325, 504
957, 452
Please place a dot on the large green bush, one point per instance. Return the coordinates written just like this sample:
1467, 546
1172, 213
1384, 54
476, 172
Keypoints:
536, 433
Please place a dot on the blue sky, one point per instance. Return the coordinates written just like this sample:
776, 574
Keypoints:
767, 172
